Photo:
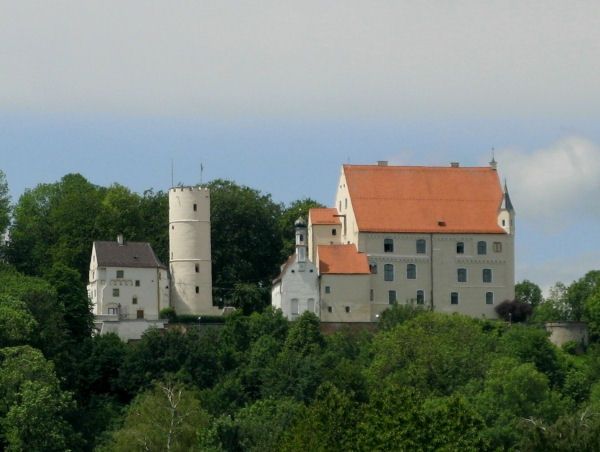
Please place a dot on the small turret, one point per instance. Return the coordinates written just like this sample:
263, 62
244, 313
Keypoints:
506, 216
300, 225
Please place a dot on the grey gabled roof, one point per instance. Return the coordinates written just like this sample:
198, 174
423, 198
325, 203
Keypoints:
130, 254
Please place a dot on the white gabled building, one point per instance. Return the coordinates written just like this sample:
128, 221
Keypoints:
128, 286
296, 289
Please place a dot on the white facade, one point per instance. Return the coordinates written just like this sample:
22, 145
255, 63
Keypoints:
297, 288
127, 292
189, 251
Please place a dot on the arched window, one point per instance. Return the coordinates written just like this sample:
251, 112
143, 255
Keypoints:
481, 247
461, 275
460, 248
388, 245
487, 275
411, 271
421, 246
420, 297
388, 272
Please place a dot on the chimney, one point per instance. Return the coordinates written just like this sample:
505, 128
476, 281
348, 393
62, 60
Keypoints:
120, 239
382, 163
454, 164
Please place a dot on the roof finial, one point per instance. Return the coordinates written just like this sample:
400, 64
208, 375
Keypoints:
493, 163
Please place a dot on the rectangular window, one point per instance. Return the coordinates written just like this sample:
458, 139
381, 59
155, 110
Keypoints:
497, 247
120, 274
294, 306
197, 268
388, 272
460, 248
112, 311
327, 289
371, 295
334, 232
421, 246
115, 292
392, 297
197, 289
137, 283
373, 268
134, 300
481, 247
420, 297
489, 298
310, 305
347, 308
388, 246
411, 271
195, 207
140, 314
487, 275
329, 309
461, 275
454, 298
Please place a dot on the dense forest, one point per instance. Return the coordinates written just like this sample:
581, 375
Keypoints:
419, 380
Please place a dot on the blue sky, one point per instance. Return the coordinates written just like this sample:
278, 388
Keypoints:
277, 95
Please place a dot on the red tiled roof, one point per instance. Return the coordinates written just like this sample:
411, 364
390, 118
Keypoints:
323, 216
342, 260
424, 199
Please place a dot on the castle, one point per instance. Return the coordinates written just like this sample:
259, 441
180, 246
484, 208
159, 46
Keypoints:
129, 286
437, 237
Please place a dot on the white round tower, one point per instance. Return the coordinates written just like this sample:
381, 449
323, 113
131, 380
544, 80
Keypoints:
189, 251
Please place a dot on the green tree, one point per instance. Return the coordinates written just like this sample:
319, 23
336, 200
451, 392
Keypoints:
398, 314
246, 238
528, 292
16, 322
167, 417
579, 291
249, 297
120, 213
592, 314
4, 203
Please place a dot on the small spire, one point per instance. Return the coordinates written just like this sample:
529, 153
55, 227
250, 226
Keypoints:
493, 163
506, 202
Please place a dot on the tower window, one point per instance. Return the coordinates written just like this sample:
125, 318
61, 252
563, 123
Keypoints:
421, 246
411, 271
345, 203
197, 289
461, 275
454, 298
420, 297
481, 247
460, 248
388, 245
489, 298
195, 207
487, 275
503, 222
329, 309
347, 308
197, 268
388, 272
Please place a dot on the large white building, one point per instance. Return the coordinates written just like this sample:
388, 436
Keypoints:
440, 237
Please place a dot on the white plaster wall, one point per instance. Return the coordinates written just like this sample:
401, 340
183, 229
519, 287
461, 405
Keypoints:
345, 291
189, 246
299, 281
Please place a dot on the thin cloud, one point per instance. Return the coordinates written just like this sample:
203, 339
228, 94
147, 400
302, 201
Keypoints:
556, 184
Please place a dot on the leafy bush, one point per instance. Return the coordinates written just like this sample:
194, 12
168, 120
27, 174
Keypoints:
514, 311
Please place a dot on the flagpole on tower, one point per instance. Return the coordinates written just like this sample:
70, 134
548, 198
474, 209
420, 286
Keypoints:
201, 171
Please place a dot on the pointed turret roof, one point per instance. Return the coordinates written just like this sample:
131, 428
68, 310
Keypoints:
506, 203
